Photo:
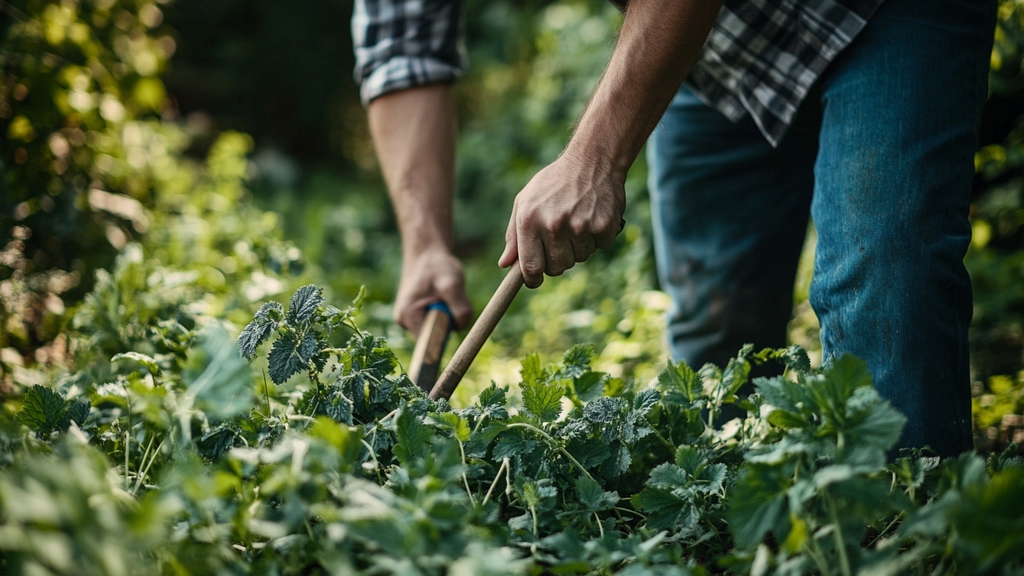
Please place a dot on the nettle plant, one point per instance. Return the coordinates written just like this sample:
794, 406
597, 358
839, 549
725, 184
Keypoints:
345, 466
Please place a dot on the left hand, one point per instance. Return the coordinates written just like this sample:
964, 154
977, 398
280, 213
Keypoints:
564, 214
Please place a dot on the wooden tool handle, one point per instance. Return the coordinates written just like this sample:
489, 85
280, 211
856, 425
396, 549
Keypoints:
478, 334
426, 357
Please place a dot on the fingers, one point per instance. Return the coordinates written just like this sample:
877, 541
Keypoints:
511, 252
434, 276
559, 255
531, 253
583, 247
453, 292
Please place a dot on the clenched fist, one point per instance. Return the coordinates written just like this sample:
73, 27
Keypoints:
428, 277
564, 214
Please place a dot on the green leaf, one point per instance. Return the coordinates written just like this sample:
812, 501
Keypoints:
78, 411
304, 304
339, 407
148, 361
604, 410
680, 383
785, 419
411, 436
514, 442
576, 361
543, 400
531, 371
645, 400
589, 385
592, 496
42, 409
755, 505
454, 423
690, 459
284, 359
668, 476
220, 381
262, 326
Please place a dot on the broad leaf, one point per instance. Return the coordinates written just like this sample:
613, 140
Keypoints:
284, 359
42, 409
304, 304
543, 400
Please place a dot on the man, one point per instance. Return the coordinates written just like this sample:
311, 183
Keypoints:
861, 113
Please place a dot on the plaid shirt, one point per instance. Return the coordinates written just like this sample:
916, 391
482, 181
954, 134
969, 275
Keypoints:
761, 58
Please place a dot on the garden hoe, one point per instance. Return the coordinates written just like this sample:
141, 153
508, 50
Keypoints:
426, 357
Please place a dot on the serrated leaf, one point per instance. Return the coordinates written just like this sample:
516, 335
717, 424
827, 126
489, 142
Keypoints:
664, 510
307, 348
339, 407
543, 400
411, 436
513, 443
76, 411
645, 400
735, 375
604, 410
262, 326
668, 476
590, 453
576, 361
714, 477
681, 381
41, 409
593, 498
304, 304
492, 402
530, 370
690, 459
284, 360
453, 423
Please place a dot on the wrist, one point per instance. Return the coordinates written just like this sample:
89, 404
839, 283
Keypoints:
603, 162
424, 247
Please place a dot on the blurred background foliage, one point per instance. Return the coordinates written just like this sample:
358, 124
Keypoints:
221, 146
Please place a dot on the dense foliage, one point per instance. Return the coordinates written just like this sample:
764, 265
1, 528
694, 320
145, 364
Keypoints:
183, 462
135, 437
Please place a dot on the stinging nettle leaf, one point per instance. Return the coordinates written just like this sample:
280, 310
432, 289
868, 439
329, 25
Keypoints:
42, 409
604, 410
543, 400
592, 496
576, 361
304, 304
680, 379
262, 326
668, 476
284, 359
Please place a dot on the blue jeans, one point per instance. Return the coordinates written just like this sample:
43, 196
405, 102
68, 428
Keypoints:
881, 155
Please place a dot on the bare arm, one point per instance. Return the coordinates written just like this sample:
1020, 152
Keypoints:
414, 132
575, 205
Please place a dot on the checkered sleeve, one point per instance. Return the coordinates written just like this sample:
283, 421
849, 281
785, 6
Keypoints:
404, 43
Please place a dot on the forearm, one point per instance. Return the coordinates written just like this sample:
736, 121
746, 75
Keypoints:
414, 132
658, 45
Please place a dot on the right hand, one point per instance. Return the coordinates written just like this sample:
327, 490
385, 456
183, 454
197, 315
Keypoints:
428, 277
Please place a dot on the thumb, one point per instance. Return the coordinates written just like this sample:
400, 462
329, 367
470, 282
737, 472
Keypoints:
511, 253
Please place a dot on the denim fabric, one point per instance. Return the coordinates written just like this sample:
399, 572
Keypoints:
882, 156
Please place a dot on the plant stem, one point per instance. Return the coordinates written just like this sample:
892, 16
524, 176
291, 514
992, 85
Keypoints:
504, 465
465, 479
554, 443
844, 561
